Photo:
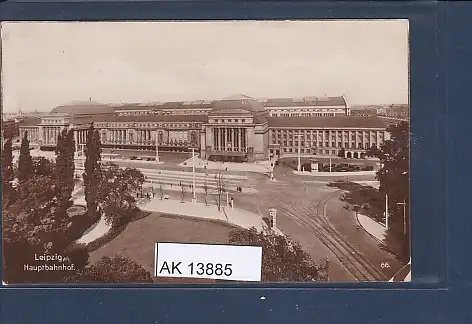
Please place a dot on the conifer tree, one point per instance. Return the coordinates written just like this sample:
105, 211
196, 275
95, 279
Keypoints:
92, 169
7, 171
65, 167
25, 163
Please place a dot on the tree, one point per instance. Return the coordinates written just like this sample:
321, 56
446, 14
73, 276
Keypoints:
43, 167
7, 161
7, 172
161, 190
394, 177
205, 190
342, 152
25, 163
65, 150
116, 194
92, 169
113, 270
34, 225
183, 187
220, 188
282, 259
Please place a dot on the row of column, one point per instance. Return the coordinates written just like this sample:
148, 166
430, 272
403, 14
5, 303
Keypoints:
33, 133
50, 134
121, 135
229, 139
82, 136
144, 136
373, 137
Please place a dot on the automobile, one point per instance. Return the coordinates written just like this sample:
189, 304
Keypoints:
166, 197
150, 159
139, 158
133, 158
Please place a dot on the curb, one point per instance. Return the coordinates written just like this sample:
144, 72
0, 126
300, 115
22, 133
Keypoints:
365, 230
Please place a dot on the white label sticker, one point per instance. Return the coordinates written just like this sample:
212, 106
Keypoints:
226, 262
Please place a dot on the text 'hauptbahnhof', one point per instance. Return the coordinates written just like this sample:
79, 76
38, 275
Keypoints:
236, 128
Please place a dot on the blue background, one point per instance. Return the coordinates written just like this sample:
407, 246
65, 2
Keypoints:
441, 52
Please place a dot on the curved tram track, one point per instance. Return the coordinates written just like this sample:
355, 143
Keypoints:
313, 218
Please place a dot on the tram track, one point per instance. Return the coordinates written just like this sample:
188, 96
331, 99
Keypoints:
313, 218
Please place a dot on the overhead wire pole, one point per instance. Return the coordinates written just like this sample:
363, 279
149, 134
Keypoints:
329, 160
404, 215
193, 172
299, 149
157, 148
386, 212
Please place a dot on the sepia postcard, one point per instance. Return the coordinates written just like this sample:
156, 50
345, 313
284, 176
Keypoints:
205, 152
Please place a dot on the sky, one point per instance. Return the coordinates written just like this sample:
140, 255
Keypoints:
48, 64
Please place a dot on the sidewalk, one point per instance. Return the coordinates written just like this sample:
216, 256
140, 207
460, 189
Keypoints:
375, 229
374, 184
335, 174
234, 216
260, 167
98, 231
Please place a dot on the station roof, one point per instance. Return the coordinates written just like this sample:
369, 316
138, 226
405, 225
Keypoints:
306, 101
30, 121
83, 108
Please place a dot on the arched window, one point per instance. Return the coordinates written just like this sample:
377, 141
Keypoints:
193, 137
131, 136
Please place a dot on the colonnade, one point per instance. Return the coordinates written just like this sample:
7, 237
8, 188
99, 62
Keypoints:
229, 139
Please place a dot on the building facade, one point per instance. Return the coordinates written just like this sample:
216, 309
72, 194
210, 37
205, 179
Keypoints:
10, 128
307, 107
237, 128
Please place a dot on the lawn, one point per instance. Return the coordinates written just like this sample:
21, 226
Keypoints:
138, 238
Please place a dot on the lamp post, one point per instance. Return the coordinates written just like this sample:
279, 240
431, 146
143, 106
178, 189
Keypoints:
157, 148
329, 160
386, 212
298, 135
404, 215
193, 172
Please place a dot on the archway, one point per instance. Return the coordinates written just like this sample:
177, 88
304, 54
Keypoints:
356, 155
349, 155
362, 155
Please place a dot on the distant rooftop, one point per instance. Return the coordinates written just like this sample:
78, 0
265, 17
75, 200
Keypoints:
305, 101
83, 108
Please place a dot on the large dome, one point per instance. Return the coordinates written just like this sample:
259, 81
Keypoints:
83, 108
237, 104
